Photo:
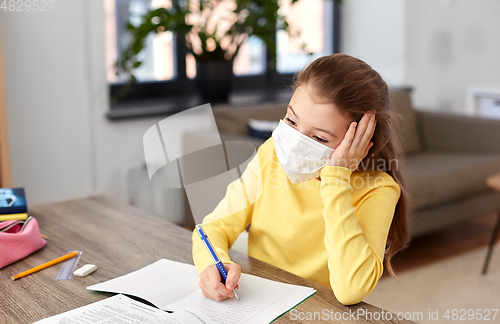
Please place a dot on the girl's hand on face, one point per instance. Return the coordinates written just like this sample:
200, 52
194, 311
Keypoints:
356, 143
211, 285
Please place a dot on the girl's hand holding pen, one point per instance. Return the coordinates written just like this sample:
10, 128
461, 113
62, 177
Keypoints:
211, 285
356, 143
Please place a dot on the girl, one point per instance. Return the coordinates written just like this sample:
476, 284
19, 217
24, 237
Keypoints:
320, 206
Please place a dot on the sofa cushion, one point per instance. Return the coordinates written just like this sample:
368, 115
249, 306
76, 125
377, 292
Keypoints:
233, 120
440, 177
408, 131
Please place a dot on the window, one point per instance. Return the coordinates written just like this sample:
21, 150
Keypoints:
169, 69
315, 19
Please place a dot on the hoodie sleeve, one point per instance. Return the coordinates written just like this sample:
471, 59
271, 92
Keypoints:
355, 236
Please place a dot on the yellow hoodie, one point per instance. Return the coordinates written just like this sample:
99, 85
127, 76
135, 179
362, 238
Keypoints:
332, 231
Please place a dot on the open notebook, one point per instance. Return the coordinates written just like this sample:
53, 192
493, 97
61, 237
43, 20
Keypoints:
124, 310
173, 286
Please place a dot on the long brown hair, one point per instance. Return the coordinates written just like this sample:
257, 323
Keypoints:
355, 88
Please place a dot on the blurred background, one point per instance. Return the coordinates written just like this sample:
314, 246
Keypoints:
72, 125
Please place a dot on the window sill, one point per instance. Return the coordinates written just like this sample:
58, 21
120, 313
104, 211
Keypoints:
166, 106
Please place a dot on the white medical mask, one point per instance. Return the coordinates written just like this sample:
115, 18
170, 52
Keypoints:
300, 156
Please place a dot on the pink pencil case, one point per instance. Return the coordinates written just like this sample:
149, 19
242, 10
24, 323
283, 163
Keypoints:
18, 239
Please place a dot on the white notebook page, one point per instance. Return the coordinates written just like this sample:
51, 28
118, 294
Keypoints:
161, 283
124, 310
261, 301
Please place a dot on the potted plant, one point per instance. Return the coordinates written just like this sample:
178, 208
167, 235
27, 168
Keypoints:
214, 61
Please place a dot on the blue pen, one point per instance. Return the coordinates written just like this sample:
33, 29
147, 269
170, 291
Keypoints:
211, 250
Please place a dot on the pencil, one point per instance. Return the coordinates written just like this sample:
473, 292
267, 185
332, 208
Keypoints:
45, 265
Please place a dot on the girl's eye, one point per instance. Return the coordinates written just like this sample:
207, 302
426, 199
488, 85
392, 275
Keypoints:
317, 138
290, 121
321, 140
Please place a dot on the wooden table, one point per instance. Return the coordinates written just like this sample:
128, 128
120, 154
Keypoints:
493, 182
119, 239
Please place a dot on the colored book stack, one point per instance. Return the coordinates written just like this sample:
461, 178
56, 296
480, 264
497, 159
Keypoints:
13, 204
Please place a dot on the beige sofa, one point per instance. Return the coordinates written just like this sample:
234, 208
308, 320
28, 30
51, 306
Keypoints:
448, 159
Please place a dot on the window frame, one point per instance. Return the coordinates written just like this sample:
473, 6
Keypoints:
270, 80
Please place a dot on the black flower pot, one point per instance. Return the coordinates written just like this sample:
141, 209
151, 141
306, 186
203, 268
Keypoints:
214, 79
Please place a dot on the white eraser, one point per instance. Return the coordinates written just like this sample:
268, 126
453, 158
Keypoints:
85, 270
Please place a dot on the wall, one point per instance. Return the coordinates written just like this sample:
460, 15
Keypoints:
47, 100
374, 31
451, 45
62, 146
